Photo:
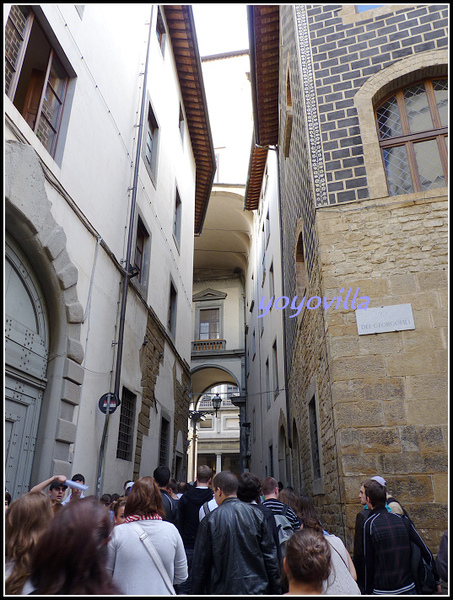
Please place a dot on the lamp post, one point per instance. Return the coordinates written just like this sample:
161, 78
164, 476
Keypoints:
200, 415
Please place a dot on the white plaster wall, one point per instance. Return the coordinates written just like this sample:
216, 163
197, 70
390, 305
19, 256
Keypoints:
265, 422
106, 51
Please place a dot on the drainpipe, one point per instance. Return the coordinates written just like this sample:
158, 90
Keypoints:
127, 267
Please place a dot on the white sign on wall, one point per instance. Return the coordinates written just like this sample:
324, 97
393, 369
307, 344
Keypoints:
386, 318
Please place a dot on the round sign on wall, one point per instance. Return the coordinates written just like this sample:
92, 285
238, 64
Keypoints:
104, 400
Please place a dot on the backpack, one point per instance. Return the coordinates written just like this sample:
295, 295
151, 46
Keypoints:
206, 508
284, 528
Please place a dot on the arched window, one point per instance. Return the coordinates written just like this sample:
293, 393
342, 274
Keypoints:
301, 270
413, 133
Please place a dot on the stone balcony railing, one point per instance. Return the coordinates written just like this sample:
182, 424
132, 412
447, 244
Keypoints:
208, 345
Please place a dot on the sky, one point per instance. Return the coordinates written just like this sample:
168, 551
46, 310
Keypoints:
221, 27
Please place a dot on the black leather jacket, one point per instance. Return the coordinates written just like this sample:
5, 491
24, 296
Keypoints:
235, 553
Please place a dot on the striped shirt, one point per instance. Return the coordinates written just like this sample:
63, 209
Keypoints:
277, 508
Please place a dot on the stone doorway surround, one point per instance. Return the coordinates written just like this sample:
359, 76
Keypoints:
30, 222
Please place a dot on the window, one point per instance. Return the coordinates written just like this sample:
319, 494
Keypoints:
412, 128
181, 122
172, 309
209, 324
160, 31
177, 220
35, 79
275, 368
314, 440
288, 114
271, 281
268, 386
267, 229
301, 271
271, 461
126, 428
152, 140
164, 442
141, 241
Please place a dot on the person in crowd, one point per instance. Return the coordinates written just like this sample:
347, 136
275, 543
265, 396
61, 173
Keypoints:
342, 580
57, 489
106, 500
114, 498
75, 493
188, 518
442, 557
249, 490
134, 570
127, 487
182, 488
359, 562
287, 496
7, 501
172, 489
269, 488
162, 477
305, 508
70, 556
387, 546
307, 563
234, 552
390, 503
118, 511
26, 521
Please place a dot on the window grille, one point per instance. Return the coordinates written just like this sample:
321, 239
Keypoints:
412, 129
126, 428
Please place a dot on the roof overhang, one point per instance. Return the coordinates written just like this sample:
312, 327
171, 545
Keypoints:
264, 36
181, 28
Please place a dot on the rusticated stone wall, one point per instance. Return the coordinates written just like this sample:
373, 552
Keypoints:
389, 390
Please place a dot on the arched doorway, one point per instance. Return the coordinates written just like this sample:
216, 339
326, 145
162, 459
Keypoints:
26, 356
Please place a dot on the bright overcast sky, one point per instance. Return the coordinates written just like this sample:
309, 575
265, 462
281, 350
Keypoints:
221, 27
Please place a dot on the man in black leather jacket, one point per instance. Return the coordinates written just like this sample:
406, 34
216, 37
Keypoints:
234, 550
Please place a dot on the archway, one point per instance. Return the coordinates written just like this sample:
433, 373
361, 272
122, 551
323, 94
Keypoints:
26, 356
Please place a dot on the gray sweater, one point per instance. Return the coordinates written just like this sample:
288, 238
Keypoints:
134, 571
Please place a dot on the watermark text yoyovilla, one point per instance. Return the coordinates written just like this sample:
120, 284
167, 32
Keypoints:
314, 302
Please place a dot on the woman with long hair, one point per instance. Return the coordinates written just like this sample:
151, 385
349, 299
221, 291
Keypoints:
343, 578
307, 562
26, 521
70, 557
146, 554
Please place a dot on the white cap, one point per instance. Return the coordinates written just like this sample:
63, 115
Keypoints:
379, 479
129, 485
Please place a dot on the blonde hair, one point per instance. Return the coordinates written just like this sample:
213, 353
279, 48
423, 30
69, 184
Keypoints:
26, 521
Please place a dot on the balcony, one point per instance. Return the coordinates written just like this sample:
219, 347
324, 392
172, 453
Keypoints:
208, 345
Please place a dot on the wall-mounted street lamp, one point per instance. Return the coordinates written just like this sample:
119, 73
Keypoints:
200, 415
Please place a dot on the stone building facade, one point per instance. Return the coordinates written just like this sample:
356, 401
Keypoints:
104, 191
362, 405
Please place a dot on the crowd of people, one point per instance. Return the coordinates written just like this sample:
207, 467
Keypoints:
221, 535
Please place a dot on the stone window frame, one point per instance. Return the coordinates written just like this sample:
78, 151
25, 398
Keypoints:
212, 300
349, 13
401, 73
141, 282
36, 19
